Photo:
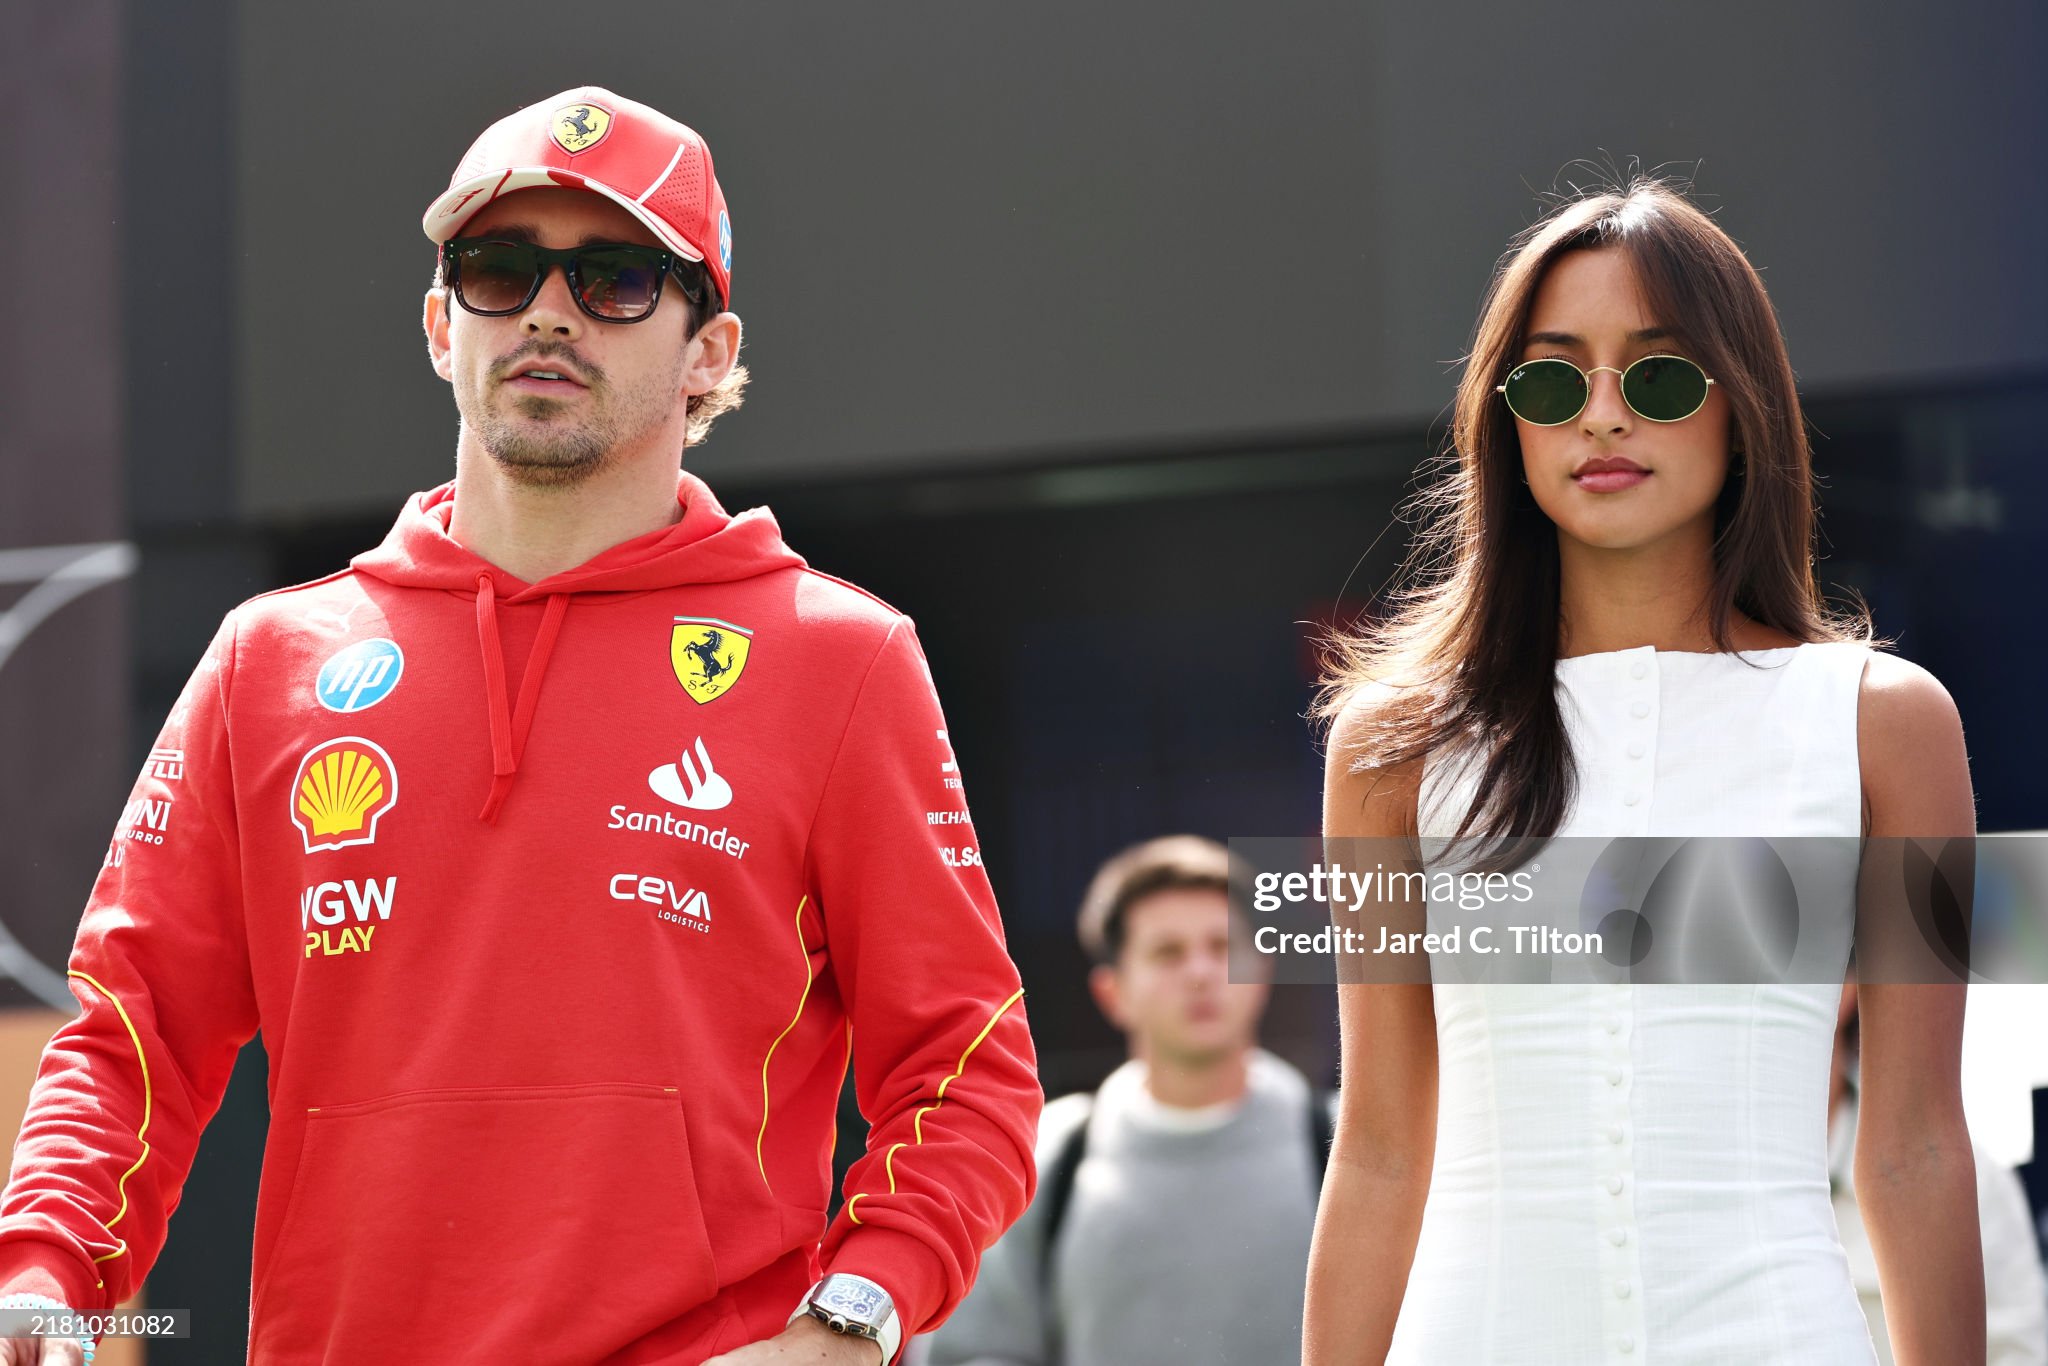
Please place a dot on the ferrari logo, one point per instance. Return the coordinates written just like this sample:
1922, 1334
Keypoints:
580, 127
708, 655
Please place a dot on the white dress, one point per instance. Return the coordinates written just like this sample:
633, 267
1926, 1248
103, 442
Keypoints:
1639, 1173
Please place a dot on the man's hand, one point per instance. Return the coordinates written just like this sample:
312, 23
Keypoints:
806, 1342
56, 1352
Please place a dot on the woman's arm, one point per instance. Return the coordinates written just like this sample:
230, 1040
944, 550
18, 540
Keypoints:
1371, 1210
1915, 1175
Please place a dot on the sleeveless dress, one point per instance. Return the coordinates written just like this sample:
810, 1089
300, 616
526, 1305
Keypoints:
1635, 1174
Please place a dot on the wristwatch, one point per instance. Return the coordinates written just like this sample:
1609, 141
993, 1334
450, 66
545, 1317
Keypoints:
857, 1307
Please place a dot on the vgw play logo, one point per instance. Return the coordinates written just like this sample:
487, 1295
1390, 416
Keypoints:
324, 912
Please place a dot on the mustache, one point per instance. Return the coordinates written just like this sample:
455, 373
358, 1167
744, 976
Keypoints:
575, 364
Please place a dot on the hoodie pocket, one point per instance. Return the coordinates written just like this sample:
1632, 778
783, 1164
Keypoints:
519, 1218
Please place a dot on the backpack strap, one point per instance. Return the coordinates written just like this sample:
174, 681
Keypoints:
1056, 1189
1322, 1132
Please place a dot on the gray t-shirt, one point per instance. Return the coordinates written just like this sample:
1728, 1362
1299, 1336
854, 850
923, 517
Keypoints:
1185, 1239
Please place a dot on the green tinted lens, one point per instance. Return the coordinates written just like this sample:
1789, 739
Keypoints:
1546, 393
1664, 388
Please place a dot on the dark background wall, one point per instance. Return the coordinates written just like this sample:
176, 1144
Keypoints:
1101, 339
65, 683
966, 234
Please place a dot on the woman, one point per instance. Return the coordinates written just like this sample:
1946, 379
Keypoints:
1614, 629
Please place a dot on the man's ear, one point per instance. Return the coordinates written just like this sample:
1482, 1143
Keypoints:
711, 354
435, 320
1106, 988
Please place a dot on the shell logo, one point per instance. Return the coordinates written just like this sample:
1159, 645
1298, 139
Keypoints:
342, 788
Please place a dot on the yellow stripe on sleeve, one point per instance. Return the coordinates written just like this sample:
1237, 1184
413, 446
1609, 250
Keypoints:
148, 1102
917, 1123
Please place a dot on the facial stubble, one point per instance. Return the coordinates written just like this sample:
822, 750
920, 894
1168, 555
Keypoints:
541, 443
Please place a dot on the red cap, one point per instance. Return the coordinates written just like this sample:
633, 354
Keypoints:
590, 139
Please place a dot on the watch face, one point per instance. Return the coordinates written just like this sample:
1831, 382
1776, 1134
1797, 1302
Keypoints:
852, 1299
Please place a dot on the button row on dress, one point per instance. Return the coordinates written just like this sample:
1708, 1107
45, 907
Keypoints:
1633, 796
1623, 1315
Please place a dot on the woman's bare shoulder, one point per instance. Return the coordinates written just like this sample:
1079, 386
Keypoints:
1366, 792
1909, 741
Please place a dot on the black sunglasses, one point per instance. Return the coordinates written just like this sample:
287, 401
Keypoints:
1551, 392
614, 282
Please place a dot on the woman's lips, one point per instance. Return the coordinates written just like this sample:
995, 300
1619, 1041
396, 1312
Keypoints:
1610, 481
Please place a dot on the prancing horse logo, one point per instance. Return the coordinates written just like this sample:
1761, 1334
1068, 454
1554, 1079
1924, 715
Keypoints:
580, 127
708, 656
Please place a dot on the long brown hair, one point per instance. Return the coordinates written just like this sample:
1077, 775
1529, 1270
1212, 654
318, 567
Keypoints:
1470, 645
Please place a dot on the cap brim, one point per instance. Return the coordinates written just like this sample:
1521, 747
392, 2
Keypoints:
446, 216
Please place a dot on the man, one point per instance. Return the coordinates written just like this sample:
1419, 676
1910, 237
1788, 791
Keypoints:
1174, 1205
566, 849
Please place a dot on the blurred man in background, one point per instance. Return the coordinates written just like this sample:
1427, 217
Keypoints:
2015, 1294
1175, 1203
555, 1041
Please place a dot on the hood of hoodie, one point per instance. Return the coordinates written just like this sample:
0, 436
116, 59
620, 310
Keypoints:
707, 545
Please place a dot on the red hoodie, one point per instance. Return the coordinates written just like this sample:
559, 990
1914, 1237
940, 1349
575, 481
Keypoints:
562, 909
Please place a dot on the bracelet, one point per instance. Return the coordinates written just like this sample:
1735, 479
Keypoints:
21, 1300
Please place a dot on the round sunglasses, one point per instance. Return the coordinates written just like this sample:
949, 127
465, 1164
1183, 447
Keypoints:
1551, 392
614, 282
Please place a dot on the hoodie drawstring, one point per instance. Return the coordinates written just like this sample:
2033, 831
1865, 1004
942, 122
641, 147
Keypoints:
509, 726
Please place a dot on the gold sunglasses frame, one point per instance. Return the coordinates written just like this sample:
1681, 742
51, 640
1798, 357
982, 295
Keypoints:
1622, 379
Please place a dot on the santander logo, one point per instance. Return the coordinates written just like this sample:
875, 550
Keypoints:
691, 781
